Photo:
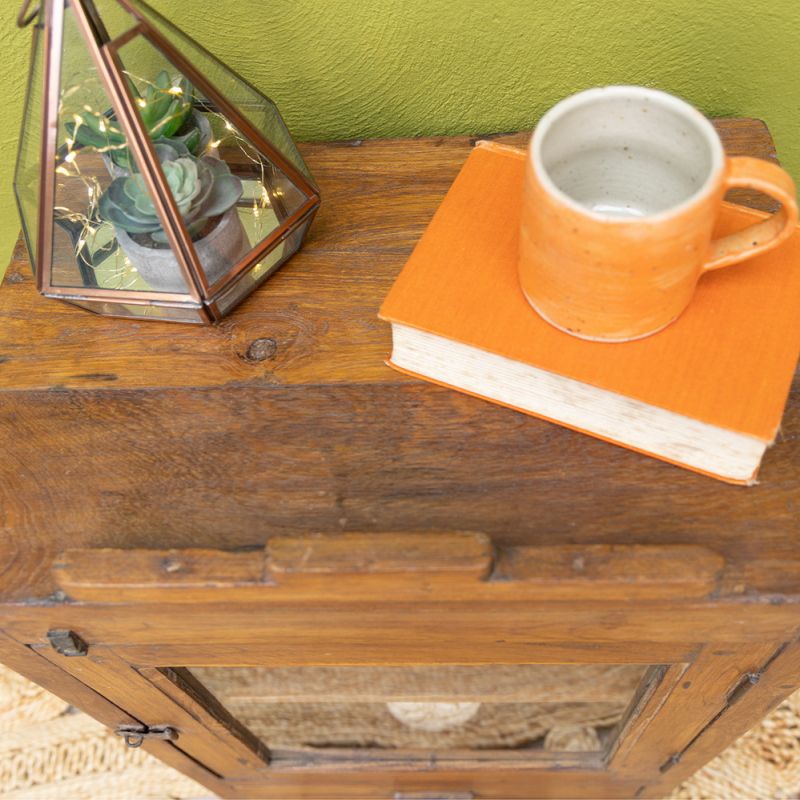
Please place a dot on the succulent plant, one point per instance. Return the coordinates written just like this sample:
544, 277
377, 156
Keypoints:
202, 187
166, 110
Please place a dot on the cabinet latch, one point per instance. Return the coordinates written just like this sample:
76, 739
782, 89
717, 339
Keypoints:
134, 735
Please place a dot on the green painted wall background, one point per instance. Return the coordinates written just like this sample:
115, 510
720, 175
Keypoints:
363, 68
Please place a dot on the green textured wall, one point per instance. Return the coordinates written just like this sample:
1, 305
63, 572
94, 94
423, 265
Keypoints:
15, 49
361, 68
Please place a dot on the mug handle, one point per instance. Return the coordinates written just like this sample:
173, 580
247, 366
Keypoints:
754, 173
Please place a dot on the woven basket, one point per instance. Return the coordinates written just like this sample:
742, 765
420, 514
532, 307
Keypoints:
50, 752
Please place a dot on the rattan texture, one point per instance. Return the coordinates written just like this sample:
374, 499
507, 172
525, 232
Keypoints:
48, 751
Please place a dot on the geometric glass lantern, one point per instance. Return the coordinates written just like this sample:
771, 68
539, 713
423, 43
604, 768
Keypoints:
152, 180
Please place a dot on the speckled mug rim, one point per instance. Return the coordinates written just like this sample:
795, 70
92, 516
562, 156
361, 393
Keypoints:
637, 93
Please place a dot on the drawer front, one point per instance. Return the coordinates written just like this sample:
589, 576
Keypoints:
416, 666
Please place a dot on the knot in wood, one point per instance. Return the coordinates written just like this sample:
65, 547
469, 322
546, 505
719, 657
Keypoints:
578, 563
261, 350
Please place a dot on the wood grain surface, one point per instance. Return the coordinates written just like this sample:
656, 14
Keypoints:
284, 418
117, 681
31, 664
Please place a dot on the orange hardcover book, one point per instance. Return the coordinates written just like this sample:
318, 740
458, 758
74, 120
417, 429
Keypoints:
706, 393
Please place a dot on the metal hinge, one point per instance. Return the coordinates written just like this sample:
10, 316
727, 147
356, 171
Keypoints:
67, 643
745, 683
740, 689
134, 735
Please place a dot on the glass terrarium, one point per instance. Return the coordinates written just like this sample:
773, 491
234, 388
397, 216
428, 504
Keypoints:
152, 180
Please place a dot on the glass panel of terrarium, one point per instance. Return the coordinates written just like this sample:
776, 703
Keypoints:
27, 178
231, 196
272, 261
259, 110
131, 311
110, 18
536, 708
107, 233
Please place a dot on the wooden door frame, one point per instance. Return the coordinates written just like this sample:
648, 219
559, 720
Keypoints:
143, 616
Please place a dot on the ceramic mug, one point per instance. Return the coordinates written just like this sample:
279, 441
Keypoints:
623, 186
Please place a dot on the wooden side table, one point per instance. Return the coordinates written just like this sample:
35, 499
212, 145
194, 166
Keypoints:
209, 532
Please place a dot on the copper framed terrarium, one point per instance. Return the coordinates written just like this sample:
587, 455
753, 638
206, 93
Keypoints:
152, 181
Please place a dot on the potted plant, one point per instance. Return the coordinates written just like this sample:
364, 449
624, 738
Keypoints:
168, 113
206, 194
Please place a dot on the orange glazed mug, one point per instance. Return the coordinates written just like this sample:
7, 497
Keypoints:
622, 190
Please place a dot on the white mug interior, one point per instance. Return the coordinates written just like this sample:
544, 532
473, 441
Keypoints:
626, 152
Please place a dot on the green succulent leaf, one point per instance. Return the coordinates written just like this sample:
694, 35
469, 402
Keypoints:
170, 149
122, 158
202, 187
226, 193
165, 107
120, 217
85, 136
192, 139
144, 205
160, 237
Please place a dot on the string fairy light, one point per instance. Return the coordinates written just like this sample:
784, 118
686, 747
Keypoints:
122, 273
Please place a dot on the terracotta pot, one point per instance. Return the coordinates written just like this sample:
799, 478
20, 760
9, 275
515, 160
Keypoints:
622, 190
217, 252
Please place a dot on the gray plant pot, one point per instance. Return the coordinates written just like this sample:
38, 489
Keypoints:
217, 252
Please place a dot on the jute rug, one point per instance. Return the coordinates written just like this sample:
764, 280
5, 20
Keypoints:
532, 705
49, 751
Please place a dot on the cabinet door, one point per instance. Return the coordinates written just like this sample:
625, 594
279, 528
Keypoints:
418, 665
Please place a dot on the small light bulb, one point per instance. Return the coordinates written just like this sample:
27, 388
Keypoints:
175, 90
70, 157
141, 102
229, 126
103, 127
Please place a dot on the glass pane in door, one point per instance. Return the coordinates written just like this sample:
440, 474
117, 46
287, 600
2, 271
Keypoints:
554, 708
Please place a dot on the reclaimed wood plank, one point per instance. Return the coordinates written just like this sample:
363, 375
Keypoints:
404, 566
230, 467
319, 312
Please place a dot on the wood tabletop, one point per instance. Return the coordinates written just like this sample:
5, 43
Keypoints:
285, 419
